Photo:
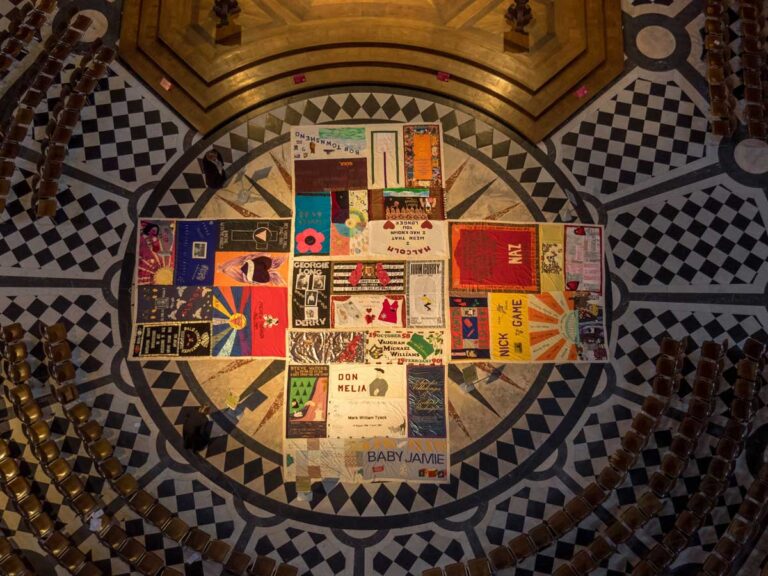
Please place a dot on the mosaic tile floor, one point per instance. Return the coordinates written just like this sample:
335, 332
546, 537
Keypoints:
687, 251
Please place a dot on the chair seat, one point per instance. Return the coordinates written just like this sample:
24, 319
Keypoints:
126, 485
288, 570
42, 526
66, 394
132, 551
456, 569
110, 468
60, 351
13, 332
114, 537
59, 469
264, 566
85, 505
196, 539
18, 488
217, 551
150, 564
159, 515
13, 566
19, 373
46, 208
17, 351
79, 414
46, 452
21, 394
141, 502
176, 529
501, 557
72, 559
30, 506
54, 333
30, 412
64, 372
100, 450
5, 548
71, 487
56, 544
38, 432
90, 431
237, 563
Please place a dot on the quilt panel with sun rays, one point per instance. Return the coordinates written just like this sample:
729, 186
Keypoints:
211, 288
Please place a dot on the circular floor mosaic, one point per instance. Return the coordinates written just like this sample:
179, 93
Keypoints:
481, 160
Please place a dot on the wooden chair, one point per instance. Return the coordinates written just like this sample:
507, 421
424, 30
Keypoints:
456, 569
196, 540
78, 414
90, 431
58, 352
237, 563
176, 529
132, 551
46, 208
150, 564
111, 468
38, 434
63, 372
32, 98
216, 551
126, 485
101, 449
286, 570
12, 333
478, 567
16, 352
159, 515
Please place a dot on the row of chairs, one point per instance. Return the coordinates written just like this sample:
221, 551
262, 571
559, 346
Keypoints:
742, 529
53, 115
75, 494
23, 31
722, 101
12, 561
715, 481
61, 129
20, 492
16, 485
59, 361
66, 88
57, 50
645, 422
649, 504
474, 567
66, 481
753, 67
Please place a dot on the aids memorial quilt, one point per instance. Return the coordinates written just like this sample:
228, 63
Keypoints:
368, 292
365, 383
211, 288
527, 292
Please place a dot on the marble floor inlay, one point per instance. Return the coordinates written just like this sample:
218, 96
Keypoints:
687, 254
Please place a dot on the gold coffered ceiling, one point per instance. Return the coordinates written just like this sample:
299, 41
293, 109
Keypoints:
398, 42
